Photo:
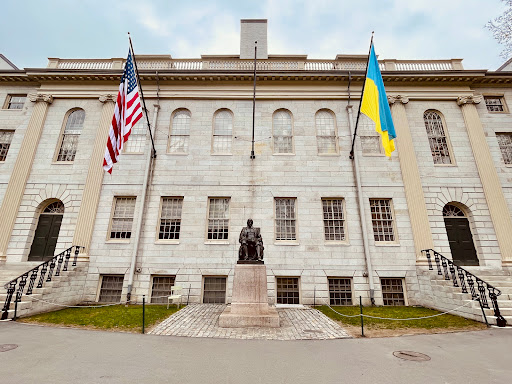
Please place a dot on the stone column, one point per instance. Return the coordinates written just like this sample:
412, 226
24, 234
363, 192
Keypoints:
21, 170
94, 181
496, 202
411, 177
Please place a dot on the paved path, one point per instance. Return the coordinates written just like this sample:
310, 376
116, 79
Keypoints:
201, 320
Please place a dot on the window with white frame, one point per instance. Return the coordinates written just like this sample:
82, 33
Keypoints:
340, 291
382, 219
137, 140
69, 139
222, 132
495, 103
285, 219
334, 219
170, 218
283, 132
161, 288
122, 218
111, 288
326, 132
437, 137
370, 139
505, 143
5, 143
218, 218
180, 132
392, 291
15, 101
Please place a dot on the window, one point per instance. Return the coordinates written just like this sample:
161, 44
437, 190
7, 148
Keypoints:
222, 132
170, 218
161, 288
334, 220
287, 290
111, 288
137, 140
218, 218
122, 219
5, 143
392, 291
326, 132
214, 290
382, 219
69, 140
495, 103
505, 143
371, 145
437, 138
340, 291
285, 219
283, 132
180, 132
15, 101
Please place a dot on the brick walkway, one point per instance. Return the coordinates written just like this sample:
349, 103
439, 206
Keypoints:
201, 320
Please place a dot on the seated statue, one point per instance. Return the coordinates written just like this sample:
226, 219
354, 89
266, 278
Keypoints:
251, 243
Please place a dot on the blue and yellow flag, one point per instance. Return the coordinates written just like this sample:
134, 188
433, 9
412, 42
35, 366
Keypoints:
375, 104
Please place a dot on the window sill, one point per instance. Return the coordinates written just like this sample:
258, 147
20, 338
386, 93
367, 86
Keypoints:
223, 242
117, 241
335, 243
13, 110
374, 155
162, 241
283, 154
291, 242
221, 154
445, 165
506, 165
499, 112
133, 153
328, 154
62, 162
386, 244
176, 153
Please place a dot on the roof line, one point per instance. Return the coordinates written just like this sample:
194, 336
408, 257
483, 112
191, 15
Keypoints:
9, 62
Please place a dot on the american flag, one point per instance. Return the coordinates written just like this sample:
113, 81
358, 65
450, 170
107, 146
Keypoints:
126, 114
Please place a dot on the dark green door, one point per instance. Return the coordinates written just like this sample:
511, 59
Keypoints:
461, 241
45, 238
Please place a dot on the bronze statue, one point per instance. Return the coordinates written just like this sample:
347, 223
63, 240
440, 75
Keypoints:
251, 243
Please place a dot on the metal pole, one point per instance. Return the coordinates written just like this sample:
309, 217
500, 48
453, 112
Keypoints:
483, 312
314, 296
143, 311
15, 309
188, 295
361, 312
254, 100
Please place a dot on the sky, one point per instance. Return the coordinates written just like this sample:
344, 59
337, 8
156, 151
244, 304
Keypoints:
33, 30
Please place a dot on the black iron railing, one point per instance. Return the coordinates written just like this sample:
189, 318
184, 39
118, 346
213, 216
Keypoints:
479, 289
44, 272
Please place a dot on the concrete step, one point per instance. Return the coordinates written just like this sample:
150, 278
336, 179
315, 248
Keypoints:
492, 320
503, 311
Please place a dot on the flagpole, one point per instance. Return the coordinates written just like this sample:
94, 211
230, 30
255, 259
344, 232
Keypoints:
254, 99
142, 96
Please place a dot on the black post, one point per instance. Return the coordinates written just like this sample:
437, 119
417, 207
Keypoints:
314, 296
188, 295
254, 100
361, 311
483, 312
15, 310
143, 311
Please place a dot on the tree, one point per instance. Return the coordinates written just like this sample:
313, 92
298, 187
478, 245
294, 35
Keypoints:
501, 28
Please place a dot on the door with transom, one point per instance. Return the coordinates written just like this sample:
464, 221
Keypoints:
459, 236
47, 232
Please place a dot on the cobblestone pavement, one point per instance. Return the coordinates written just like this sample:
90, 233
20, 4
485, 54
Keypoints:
201, 320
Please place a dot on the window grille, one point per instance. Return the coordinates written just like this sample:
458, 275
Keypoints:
450, 210
121, 226
326, 132
340, 291
218, 219
180, 132
285, 219
505, 143
382, 219
137, 141
494, 103
16, 101
287, 290
170, 218
56, 207
222, 132
69, 142
334, 220
5, 143
161, 288
392, 291
283, 133
111, 288
371, 145
437, 138
214, 290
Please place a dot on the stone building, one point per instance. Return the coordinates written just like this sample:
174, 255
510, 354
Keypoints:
447, 187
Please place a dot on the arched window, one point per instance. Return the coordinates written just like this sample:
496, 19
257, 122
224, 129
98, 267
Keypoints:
69, 138
326, 132
283, 132
180, 132
137, 141
56, 207
222, 131
437, 137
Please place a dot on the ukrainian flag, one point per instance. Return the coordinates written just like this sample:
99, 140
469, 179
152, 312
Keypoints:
375, 104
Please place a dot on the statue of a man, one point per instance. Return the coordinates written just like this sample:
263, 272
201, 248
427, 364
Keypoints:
251, 247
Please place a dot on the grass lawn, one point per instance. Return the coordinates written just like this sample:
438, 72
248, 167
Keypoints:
116, 317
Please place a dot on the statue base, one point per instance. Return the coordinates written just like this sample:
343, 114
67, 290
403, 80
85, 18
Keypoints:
249, 305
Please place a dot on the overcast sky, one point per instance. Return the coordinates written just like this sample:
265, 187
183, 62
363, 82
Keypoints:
33, 30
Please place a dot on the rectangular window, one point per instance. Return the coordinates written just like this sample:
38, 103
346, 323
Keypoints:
161, 288
371, 146
111, 288
15, 101
287, 290
382, 219
505, 143
137, 141
494, 103
392, 291
218, 218
170, 218
214, 290
122, 219
334, 220
285, 219
340, 291
5, 143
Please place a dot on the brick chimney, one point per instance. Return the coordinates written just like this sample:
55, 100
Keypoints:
252, 30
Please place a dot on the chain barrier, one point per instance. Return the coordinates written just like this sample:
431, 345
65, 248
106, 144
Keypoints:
88, 306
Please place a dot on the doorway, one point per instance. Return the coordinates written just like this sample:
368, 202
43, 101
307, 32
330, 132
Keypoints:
47, 232
459, 236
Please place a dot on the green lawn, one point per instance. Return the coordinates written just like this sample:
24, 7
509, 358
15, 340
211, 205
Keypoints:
116, 317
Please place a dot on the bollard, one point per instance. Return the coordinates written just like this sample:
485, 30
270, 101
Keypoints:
15, 310
314, 297
143, 311
361, 311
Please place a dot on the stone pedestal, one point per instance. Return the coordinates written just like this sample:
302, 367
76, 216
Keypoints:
249, 304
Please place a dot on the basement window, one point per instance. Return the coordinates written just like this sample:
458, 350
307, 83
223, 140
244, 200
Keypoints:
161, 288
340, 291
214, 290
111, 288
288, 290
392, 291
